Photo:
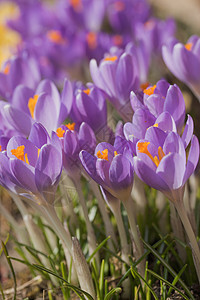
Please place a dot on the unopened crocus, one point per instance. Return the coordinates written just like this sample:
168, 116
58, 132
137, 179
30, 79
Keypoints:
161, 97
161, 163
44, 105
184, 62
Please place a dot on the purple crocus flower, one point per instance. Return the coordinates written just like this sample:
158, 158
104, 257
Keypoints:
160, 98
110, 168
161, 161
45, 105
184, 62
72, 142
22, 69
30, 169
117, 76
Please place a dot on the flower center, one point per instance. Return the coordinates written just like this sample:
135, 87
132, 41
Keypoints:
188, 46
103, 155
87, 91
76, 4
110, 58
143, 148
144, 85
149, 91
55, 37
92, 40
117, 40
119, 6
0, 148
19, 153
60, 132
70, 126
31, 104
7, 69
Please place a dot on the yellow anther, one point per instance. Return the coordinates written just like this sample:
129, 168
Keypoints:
55, 37
188, 46
60, 132
92, 40
111, 58
149, 91
103, 155
70, 126
31, 104
87, 91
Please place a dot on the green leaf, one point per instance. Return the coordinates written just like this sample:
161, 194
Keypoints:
98, 248
1, 250
134, 272
112, 292
152, 250
101, 280
11, 268
2, 293
176, 279
168, 283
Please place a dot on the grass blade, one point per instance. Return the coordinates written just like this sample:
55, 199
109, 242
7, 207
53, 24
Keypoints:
112, 292
97, 249
176, 279
168, 283
134, 272
11, 268
152, 250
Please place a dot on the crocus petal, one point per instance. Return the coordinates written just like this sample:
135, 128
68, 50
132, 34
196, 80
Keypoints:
193, 158
175, 105
155, 104
21, 96
66, 101
87, 139
171, 169
108, 69
96, 75
149, 176
188, 131
121, 176
156, 136
166, 122
38, 135
142, 120
135, 102
173, 143
30, 149
102, 146
20, 121
24, 174
89, 163
46, 112
102, 169
48, 168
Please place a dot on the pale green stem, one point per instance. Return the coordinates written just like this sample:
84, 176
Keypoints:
177, 230
122, 233
90, 231
108, 225
128, 204
190, 233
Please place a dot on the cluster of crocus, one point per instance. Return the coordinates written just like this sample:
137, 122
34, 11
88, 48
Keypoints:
45, 131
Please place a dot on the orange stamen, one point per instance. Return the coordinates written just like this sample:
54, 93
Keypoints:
55, 37
19, 153
115, 153
76, 4
60, 132
92, 40
87, 91
31, 104
6, 69
103, 155
144, 85
143, 148
188, 46
149, 91
111, 58
149, 24
117, 40
0, 148
70, 126
119, 6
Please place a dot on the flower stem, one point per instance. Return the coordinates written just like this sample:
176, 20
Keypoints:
108, 225
190, 233
91, 235
122, 233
